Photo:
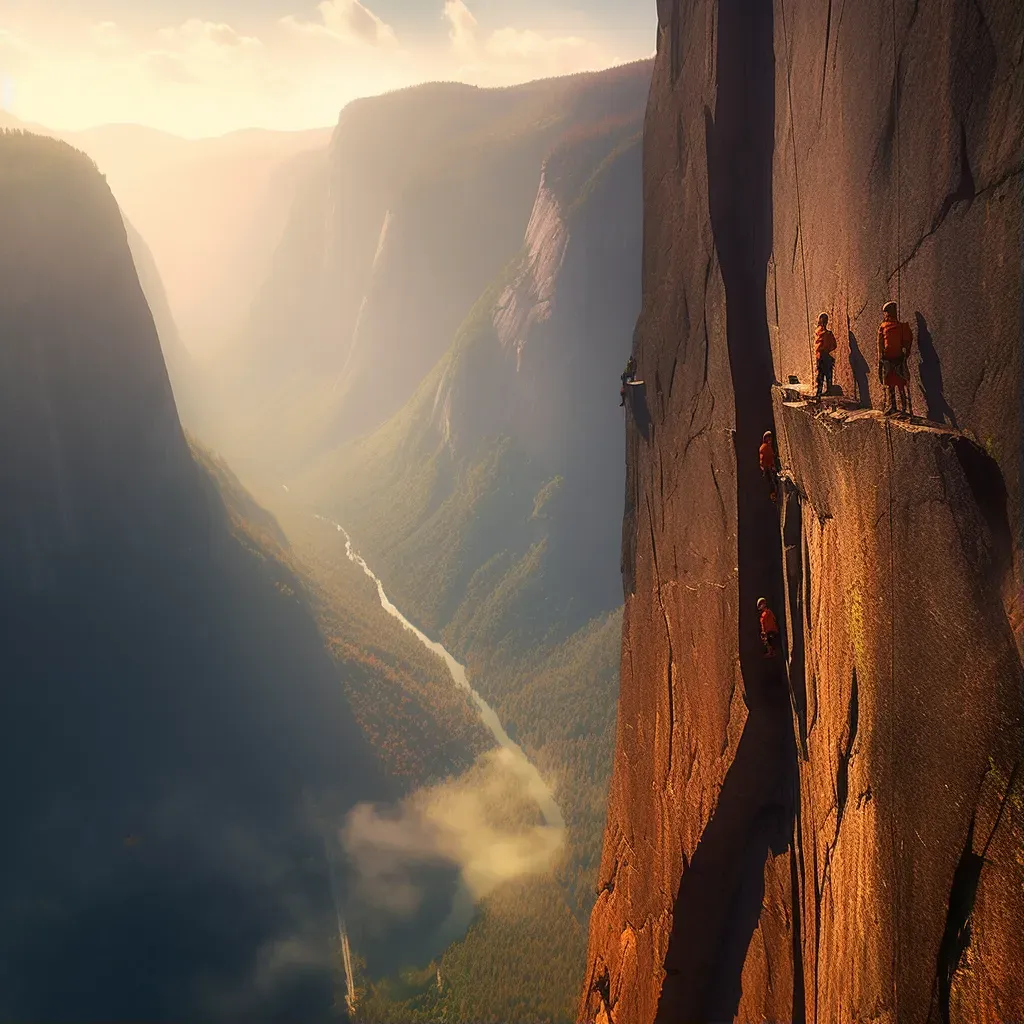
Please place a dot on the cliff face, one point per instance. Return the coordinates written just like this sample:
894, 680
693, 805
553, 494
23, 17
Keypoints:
906, 692
833, 837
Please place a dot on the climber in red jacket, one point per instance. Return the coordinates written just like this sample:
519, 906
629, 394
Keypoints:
769, 628
894, 341
766, 457
824, 346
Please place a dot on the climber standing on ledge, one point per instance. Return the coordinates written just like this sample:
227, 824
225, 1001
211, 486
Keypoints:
628, 374
766, 457
769, 628
894, 341
824, 346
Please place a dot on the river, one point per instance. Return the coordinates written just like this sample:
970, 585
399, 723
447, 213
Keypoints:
527, 772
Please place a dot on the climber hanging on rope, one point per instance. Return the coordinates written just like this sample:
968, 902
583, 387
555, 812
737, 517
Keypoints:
766, 458
628, 376
769, 629
824, 346
894, 341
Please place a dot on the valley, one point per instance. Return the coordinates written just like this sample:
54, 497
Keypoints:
368, 656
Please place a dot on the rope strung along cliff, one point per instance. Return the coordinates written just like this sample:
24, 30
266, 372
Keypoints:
796, 183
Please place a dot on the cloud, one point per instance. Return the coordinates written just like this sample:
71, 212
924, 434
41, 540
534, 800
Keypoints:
484, 824
510, 54
207, 38
462, 25
198, 52
345, 21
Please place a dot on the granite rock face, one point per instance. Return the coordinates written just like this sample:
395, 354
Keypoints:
837, 835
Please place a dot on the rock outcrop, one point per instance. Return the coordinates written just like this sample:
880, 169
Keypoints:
836, 836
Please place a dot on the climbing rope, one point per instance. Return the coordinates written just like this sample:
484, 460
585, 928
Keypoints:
796, 182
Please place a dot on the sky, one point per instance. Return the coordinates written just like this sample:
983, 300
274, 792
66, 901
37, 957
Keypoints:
204, 67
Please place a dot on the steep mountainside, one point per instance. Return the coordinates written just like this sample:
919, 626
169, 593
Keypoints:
213, 211
176, 738
422, 203
835, 835
181, 367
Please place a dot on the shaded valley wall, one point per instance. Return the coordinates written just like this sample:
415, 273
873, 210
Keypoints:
170, 717
836, 840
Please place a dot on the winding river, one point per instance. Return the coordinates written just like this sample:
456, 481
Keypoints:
527, 772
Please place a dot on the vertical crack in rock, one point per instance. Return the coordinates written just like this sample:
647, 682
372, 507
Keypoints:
988, 488
965, 192
668, 642
843, 769
824, 60
720, 899
795, 569
796, 883
675, 45
957, 935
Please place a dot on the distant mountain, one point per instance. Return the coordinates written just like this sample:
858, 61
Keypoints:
424, 198
177, 741
487, 498
213, 211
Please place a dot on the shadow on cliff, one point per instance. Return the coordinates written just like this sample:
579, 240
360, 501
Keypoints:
637, 399
939, 410
720, 897
859, 369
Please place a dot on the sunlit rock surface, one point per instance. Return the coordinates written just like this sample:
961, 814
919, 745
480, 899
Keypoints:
842, 844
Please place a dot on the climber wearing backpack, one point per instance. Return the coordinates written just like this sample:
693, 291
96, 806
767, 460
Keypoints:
824, 346
769, 629
894, 341
766, 458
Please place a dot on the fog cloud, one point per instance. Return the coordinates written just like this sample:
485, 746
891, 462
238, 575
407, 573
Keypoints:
486, 824
345, 21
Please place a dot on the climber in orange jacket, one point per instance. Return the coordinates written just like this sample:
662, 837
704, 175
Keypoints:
769, 628
824, 346
894, 342
766, 458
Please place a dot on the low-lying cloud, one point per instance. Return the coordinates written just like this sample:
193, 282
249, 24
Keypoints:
486, 824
